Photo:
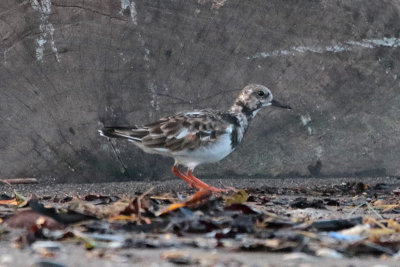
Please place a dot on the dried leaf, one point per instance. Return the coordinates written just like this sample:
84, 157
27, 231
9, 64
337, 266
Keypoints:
29, 218
135, 210
378, 203
238, 197
358, 230
167, 198
130, 218
393, 225
375, 233
123, 218
13, 202
20, 198
381, 204
68, 217
195, 199
391, 207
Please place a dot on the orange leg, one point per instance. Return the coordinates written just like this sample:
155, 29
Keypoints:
194, 181
200, 184
175, 171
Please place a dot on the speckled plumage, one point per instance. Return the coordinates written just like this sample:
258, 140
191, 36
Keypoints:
200, 136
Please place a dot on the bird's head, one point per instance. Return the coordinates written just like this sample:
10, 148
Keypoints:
253, 97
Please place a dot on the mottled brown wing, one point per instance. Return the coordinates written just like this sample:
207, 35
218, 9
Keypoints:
184, 131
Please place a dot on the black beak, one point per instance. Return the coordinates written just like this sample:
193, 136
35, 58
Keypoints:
278, 104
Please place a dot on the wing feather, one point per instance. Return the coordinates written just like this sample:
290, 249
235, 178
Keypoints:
182, 131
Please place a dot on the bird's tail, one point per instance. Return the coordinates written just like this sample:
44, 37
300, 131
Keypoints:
131, 133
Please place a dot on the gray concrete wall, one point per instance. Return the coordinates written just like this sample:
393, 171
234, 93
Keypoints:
68, 67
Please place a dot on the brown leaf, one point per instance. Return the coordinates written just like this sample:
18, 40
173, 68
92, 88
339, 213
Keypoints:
29, 218
238, 197
195, 199
13, 202
132, 208
68, 217
133, 211
380, 204
18, 200
138, 204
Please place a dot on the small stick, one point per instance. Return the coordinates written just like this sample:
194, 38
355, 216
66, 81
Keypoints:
376, 213
356, 208
139, 198
19, 181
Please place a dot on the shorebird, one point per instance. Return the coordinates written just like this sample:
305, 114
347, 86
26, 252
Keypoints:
199, 136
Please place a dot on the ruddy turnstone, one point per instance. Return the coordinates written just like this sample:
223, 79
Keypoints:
200, 136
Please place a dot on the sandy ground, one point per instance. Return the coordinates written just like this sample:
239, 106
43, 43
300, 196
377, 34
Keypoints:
76, 255
178, 185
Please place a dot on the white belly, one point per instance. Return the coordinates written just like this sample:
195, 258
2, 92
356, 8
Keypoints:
207, 154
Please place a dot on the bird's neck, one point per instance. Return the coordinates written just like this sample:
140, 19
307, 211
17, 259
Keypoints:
243, 116
243, 111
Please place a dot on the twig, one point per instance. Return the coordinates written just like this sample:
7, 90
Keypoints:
356, 208
148, 191
374, 211
19, 181
368, 206
139, 199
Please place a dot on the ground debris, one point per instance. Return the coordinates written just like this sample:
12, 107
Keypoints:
302, 203
29, 218
238, 197
179, 258
335, 225
99, 199
194, 200
339, 221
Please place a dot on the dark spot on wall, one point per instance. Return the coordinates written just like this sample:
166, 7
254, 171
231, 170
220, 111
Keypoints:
71, 130
168, 53
127, 11
315, 170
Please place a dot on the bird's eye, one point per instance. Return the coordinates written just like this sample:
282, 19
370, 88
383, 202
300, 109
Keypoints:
260, 93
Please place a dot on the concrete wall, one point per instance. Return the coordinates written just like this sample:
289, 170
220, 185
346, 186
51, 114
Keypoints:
68, 67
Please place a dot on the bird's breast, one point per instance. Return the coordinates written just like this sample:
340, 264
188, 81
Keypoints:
209, 153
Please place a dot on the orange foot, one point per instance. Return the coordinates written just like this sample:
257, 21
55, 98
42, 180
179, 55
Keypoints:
194, 181
202, 185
